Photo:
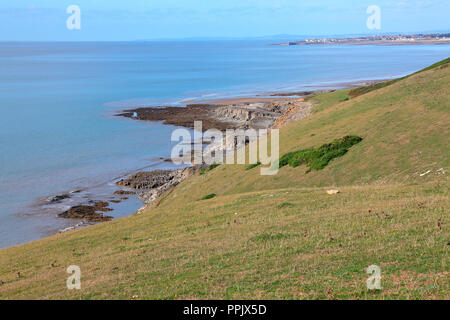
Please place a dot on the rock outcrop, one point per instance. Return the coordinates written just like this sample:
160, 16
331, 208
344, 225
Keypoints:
88, 213
150, 185
295, 111
256, 115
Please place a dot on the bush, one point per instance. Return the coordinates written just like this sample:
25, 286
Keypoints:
286, 205
253, 165
318, 158
211, 167
209, 196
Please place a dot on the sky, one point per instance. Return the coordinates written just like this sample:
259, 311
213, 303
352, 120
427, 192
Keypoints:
119, 20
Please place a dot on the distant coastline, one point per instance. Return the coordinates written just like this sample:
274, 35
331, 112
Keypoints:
415, 39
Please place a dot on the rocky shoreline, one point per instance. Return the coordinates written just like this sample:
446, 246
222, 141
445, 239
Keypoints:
255, 113
88, 212
146, 185
150, 185
242, 113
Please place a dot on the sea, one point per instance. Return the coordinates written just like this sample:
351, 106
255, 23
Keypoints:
58, 100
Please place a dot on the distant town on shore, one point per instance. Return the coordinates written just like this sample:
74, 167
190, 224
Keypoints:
409, 39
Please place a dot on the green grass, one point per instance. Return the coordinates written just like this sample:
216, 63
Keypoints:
281, 236
318, 158
270, 237
325, 101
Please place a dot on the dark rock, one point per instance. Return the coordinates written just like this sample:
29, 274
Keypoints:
123, 192
58, 198
147, 179
179, 116
102, 206
87, 212
212, 116
152, 184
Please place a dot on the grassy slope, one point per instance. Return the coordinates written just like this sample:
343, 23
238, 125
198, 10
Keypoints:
281, 236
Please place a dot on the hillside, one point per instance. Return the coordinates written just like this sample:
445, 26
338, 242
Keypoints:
282, 236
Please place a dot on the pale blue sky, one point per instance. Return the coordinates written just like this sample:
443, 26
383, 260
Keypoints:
152, 19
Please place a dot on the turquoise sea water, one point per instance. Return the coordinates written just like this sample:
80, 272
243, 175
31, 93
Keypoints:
57, 100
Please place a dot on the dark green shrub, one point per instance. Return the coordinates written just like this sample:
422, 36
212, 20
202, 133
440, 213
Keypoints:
318, 158
211, 167
286, 205
253, 165
209, 196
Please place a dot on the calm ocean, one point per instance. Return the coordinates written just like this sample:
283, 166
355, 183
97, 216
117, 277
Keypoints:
57, 100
